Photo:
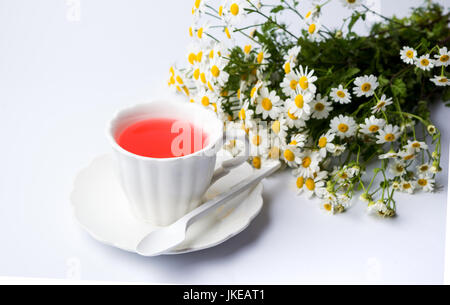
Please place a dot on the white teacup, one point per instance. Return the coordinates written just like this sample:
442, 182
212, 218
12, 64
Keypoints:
162, 190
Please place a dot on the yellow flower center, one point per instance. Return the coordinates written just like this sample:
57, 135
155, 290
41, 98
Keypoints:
197, 3
366, 87
443, 79
256, 140
191, 32
293, 84
406, 186
199, 56
256, 162
327, 207
203, 77
253, 92
210, 86
260, 57
343, 127
276, 126
306, 162
444, 58
289, 155
308, 14
416, 145
215, 71
422, 182
425, 62
310, 184
389, 137
340, 94
323, 142
266, 104
242, 114
293, 142
287, 67
200, 33
319, 107
179, 80
410, 54
351, 1
221, 10
300, 182
234, 9
408, 157
247, 49
291, 116
227, 32
197, 74
205, 101
299, 101
424, 168
303, 82
186, 90
381, 104
312, 28
399, 168
374, 128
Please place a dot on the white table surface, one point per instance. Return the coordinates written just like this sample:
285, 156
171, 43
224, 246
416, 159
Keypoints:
61, 80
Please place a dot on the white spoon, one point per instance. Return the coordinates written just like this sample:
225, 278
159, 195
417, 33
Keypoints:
167, 238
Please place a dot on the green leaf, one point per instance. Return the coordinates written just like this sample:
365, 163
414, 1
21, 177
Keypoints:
399, 88
277, 9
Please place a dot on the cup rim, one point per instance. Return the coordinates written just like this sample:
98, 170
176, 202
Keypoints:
117, 147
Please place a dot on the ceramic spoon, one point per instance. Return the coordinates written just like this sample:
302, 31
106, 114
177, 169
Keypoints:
167, 238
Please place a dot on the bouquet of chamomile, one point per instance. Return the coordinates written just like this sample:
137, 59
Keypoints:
326, 101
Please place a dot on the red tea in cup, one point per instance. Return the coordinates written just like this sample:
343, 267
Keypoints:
162, 138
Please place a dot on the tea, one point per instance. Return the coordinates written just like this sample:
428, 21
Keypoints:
162, 138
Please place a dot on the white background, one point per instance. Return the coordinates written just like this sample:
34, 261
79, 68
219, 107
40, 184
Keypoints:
61, 79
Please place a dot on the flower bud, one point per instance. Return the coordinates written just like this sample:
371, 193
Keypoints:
431, 129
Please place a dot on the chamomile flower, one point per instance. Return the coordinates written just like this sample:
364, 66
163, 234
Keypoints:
259, 141
291, 59
206, 98
407, 154
440, 81
292, 120
416, 146
372, 125
313, 13
298, 140
408, 55
343, 126
245, 114
321, 108
326, 145
426, 183
262, 58
351, 4
299, 104
398, 168
254, 93
339, 150
365, 85
290, 83
377, 208
291, 155
198, 32
312, 185
340, 95
312, 28
306, 80
423, 169
235, 147
388, 134
389, 155
198, 8
328, 207
280, 127
443, 58
424, 62
234, 11
407, 186
217, 73
382, 104
268, 104
247, 49
309, 164
292, 54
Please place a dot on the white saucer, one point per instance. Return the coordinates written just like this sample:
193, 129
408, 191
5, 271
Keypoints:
101, 208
